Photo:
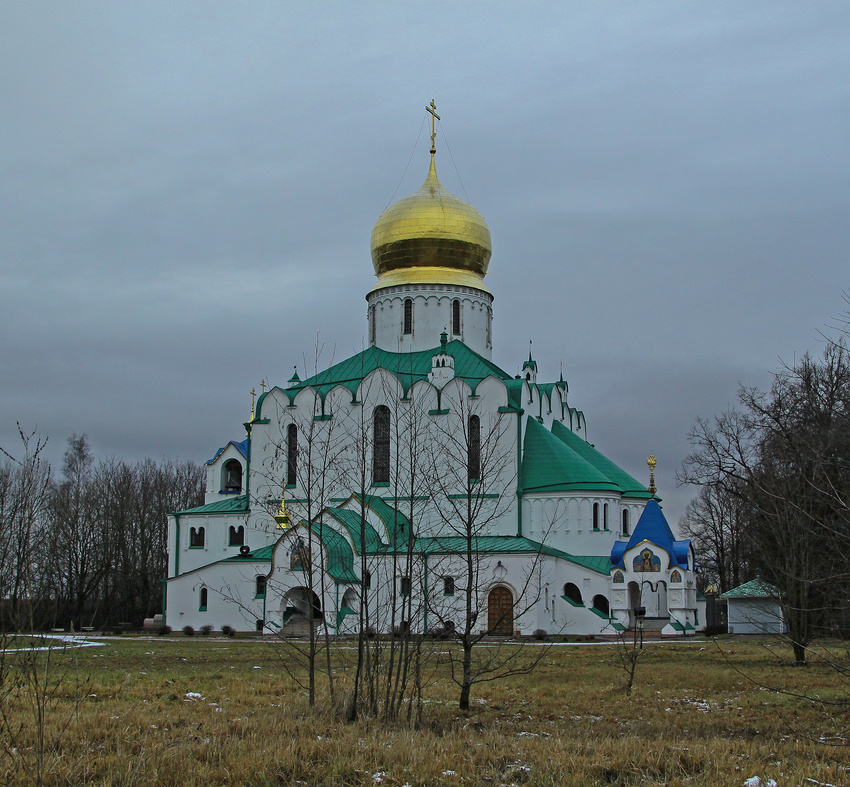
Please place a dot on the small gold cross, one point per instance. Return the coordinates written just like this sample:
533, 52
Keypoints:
433, 110
253, 396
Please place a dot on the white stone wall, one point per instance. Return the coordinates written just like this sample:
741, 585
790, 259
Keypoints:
432, 314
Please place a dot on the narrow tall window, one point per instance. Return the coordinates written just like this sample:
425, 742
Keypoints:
489, 327
605, 517
404, 586
456, 317
367, 580
202, 606
473, 466
596, 516
373, 329
381, 445
625, 521
291, 454
448, 586
408, 315
260, 587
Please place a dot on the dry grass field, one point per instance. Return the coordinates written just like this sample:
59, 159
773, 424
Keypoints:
209, 711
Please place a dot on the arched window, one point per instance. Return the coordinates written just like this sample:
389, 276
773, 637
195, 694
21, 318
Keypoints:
605, 517
231, 476
474, 458
572, 593
596, 516
600, 603
625, 521
381, 445
489, 327
196, 537
202, 606
291, 454
373, 329
456, 317
408, 315
237, 536
367, 580
260, 586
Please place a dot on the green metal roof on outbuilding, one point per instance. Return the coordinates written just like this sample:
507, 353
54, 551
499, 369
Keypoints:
755, 588
627, 485
549, 465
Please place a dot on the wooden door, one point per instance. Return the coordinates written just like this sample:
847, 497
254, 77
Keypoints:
500, 612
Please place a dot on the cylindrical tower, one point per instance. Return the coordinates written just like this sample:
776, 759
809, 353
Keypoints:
430, 251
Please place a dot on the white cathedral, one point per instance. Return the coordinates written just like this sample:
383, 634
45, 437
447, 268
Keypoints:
417, 486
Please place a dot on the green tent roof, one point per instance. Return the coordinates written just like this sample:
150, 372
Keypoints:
627, 485
549, 465
755, 588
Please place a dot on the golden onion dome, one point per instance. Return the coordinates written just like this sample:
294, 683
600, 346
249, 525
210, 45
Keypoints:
431, 236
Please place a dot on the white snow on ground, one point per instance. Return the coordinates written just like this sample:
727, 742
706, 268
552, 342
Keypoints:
69, 640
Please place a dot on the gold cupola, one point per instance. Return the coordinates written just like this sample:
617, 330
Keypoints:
431, 237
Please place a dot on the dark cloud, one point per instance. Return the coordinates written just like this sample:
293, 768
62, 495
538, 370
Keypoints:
187, 196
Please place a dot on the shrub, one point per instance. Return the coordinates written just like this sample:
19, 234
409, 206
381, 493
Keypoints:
441, 632
228, 631
206, 629
163, 630
188, 631
540, 634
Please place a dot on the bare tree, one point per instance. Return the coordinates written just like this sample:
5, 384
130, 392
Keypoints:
716, 521
473, 476
783, 456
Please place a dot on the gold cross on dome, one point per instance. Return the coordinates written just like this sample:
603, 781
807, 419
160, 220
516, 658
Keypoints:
253, 396
432, 108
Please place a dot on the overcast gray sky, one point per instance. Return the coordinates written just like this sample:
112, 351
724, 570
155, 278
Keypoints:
187, 192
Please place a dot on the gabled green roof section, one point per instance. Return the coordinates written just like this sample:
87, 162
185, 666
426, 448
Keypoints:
396, 523
340, 556
352, 522
407, 367
233, 505
549, 465
625, 483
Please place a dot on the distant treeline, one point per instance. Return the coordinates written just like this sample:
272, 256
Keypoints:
87, 548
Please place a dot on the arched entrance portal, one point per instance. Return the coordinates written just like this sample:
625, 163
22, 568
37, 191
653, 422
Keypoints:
500, 612
300, 607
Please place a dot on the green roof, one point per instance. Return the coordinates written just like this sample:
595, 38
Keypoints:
394, 521
549, 465
627, 485
263, 555
507, 545
755, 588
340, 555
233, 505
407, 367
352, 523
